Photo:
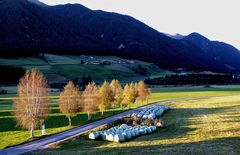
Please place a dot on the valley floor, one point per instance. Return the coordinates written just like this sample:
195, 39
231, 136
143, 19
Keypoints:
191, 123
202, 126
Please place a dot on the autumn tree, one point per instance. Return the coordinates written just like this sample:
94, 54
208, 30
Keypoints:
117, 93
106, 97
143, 91
90, 99
129, 95
32, 105
69, 101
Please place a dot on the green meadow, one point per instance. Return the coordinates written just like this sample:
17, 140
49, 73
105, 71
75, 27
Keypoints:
197, 126
12, 135
59, 69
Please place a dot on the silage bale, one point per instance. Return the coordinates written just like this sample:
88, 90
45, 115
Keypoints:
133, 115
93, 135
100, 133
104, 136
152, 116
138, 126
128, 135
160, 112
142, 132
145, 116
133, 133
154, 128
124, 134
139, 115
136, 132
119, 138
119, 131
123, 126
110, 137
149, 130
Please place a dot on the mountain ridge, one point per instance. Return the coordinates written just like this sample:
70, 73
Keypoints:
75, 29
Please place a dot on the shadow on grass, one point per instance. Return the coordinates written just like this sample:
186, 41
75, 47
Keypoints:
228, 146
56, 120
177, 122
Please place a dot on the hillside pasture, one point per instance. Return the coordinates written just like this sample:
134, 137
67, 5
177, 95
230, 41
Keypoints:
70, 67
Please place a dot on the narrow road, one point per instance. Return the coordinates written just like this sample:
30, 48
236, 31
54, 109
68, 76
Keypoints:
59, 137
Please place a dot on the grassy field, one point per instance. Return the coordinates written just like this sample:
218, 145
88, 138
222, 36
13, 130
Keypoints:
202, 126
12, 135
60, 69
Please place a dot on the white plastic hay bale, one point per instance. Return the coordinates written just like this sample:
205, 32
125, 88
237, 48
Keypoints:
160, 112
138, 126
133, 133
142, 132
145, 116
119, 138
93, 135
128, 135
119, 131
104, 136
139, 115
133, 115
123, 126
154, 128
136, 132
149, 130
144, 126
152, 116
110, 137
100, 133
124, 134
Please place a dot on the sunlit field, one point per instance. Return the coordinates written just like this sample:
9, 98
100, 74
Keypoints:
201, 126
57, 122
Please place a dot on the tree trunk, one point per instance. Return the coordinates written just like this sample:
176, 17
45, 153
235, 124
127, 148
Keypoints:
42, 125
102, 113
69, 121
32, 130
89, 116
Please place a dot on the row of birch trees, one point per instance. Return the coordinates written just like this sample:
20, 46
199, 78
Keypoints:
33, 103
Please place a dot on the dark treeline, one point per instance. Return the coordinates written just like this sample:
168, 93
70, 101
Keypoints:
81, 83
195, 79
10, 75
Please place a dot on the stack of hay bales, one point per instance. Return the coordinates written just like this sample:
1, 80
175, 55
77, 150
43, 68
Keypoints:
152, 112
122, 133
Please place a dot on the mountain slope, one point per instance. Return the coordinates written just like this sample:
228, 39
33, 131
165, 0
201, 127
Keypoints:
28, 29
221, 52
38, 3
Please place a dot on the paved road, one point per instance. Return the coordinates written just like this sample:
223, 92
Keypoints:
45, 142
